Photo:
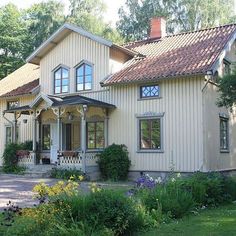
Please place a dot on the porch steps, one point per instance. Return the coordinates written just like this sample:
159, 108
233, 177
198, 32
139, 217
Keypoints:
39, 171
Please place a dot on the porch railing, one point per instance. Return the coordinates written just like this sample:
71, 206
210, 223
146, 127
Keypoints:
25, 158
73, 159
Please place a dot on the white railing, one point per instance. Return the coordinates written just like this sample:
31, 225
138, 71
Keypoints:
72, 159
26, 158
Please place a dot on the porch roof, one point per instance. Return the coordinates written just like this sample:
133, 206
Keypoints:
78, 100
64, 101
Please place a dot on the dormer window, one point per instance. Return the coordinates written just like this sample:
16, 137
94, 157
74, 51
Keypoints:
84, 77
61, 80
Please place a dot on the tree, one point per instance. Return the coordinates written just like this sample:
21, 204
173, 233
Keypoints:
42, 20
227, 90
88, 14
181, 15
12, 35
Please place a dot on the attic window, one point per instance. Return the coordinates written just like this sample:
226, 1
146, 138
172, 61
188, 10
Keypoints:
226, 67
84, 77
149, 91
12, 104
61, 80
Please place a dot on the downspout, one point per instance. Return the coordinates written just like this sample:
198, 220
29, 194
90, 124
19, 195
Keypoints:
12, 124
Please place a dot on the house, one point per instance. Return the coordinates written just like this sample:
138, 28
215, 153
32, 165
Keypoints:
79, 93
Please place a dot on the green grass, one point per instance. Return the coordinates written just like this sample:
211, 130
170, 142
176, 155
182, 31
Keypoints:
209, 222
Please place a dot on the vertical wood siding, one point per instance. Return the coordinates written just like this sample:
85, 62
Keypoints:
70, 52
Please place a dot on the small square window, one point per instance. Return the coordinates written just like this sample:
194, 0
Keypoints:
149, 91
12, 105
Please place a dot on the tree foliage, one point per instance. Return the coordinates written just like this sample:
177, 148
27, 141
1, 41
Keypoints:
181, 15
227, 90
22, 31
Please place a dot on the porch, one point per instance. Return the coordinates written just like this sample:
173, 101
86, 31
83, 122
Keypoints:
67, 132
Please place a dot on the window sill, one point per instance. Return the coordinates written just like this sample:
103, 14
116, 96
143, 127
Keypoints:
150, 151
224, 151
95, 150
149, 98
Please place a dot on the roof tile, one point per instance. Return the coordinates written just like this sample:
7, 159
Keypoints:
176, 55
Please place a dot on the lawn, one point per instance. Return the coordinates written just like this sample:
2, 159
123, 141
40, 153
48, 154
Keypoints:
215, 221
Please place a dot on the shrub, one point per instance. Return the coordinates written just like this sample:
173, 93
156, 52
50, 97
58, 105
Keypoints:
171, 198
106, 208
65, 173
114, 162
27, 145
10, 158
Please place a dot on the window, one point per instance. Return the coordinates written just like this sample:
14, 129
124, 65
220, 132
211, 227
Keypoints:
9, 134
224, 134
46, 137
61, 80
226, 67
12, 104
150, 134
95, 135
84, 77
149, 91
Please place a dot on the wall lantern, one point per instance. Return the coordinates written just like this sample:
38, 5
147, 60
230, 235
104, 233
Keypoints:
70, 116
25, 121
85, 108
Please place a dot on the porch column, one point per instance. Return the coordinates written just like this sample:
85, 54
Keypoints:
14, 138
83, 138
59, 129
34, 136
106, 129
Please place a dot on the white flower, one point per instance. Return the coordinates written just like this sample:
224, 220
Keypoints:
151, 179
178, 175
158, 180
173, 180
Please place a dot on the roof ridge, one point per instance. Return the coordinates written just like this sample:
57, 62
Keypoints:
152, 40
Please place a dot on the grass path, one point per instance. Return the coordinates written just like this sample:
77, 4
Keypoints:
209, 222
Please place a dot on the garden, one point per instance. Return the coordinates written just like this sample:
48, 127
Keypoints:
151, 207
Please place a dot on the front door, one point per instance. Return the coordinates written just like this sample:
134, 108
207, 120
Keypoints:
54, 143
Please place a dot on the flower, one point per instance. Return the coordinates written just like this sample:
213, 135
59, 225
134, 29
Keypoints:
178, 175
81, 177
173, 180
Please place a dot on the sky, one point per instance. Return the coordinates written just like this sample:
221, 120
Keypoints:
111, 15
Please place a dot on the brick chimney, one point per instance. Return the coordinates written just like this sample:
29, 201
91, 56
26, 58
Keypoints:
157, 27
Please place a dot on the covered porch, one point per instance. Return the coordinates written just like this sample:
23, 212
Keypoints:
67, 132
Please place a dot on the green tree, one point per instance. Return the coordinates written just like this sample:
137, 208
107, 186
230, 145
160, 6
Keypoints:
42, 20
227, 90
12, 35
181, 15
88, 14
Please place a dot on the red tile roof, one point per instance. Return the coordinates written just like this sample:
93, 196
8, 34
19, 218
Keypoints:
177, 55
23, 90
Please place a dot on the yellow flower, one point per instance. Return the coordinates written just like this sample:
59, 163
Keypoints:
81, 177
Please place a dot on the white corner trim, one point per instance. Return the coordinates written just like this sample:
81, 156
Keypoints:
41, 97
223, 53
73, 28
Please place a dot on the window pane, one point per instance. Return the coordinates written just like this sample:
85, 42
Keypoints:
46, 137
91, 141
88, 70
99, 139
88, 78
100, 126
79, 87
80, 71
91, 126
12, 104
149, 91
57, 83
65, 73
65, 82
57, 89
57, 74
150, 134
65, 89
8, 135
224, 134
80, 80
88, 86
